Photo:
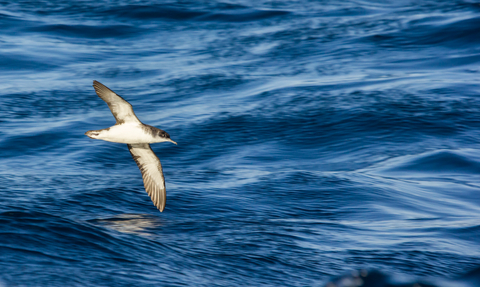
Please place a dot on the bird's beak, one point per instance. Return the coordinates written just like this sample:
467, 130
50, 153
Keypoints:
170, 140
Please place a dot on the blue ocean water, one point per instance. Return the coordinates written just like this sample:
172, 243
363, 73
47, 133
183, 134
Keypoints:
315, 139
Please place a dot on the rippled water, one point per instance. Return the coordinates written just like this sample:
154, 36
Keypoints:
314, 139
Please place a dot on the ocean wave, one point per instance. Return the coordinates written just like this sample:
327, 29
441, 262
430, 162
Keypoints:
233, 14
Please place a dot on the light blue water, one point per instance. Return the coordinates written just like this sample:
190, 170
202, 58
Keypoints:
314, 139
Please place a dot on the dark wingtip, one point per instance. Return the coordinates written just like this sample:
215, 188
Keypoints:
97, 84
101, 88
161, 207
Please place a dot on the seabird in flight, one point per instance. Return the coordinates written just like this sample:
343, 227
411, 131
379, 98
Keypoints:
137, 136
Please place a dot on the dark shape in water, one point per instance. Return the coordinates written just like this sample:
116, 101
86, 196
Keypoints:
366, 278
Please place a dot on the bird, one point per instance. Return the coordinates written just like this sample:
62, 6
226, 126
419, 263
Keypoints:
138, 136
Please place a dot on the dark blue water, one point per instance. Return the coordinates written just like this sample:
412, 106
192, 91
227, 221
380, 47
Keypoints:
315, 138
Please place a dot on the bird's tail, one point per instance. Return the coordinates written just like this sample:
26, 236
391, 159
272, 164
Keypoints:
92, 134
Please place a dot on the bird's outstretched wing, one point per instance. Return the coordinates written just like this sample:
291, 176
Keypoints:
152, 173
121, 109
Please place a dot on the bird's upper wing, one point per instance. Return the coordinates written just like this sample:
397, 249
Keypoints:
121, 109
152, 173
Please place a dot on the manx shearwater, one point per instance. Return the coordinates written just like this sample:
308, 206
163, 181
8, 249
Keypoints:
138, 136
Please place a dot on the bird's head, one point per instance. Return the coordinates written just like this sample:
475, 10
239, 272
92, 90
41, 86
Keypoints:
163, 136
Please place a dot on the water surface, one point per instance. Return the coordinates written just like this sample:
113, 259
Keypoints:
314, 139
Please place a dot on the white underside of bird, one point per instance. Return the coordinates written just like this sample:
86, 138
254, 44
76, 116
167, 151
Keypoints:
127, 133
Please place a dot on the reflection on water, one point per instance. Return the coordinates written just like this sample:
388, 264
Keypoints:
130, 223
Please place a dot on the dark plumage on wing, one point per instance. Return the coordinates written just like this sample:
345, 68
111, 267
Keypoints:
152, 173
121, 109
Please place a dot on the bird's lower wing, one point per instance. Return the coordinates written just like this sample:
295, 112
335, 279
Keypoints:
121, 109
152, 173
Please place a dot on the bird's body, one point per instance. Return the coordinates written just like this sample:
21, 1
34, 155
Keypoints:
129, 130
128, 133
